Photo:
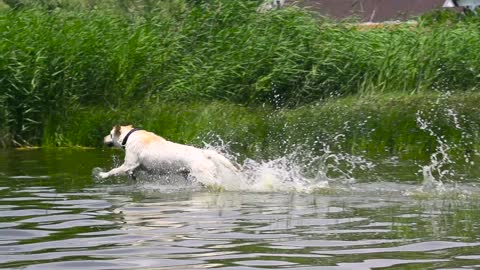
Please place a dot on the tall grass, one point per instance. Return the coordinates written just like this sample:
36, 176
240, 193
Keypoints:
57, 63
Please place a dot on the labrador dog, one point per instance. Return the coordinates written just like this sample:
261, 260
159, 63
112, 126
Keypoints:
148, 151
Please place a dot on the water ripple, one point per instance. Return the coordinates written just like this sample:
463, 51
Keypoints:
45, 224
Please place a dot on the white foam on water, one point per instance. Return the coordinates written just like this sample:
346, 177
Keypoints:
299, 171
279, 174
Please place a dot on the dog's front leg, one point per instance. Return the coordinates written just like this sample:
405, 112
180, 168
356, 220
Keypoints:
130, 164
125, 169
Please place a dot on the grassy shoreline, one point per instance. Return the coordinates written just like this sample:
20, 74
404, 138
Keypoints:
374, 126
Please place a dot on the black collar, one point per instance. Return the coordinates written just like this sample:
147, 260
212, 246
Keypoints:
124, 142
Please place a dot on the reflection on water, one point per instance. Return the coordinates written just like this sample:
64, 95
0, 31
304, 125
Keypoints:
54, 216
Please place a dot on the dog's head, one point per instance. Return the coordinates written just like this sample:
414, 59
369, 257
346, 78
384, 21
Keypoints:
116, 136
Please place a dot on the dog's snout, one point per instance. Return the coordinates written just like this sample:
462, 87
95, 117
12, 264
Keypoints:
108, 141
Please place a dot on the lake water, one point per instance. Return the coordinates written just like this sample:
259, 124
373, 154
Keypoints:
54, 215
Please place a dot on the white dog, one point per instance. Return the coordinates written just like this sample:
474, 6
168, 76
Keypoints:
148, 151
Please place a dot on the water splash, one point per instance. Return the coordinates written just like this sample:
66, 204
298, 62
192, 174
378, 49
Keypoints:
279, 174
298, 171
438, 160
441, 167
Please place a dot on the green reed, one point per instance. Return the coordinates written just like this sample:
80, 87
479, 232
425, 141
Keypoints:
57, 65
375, 127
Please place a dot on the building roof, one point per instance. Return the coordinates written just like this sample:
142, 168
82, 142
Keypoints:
372, 10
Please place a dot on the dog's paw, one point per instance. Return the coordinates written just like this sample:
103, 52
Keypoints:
103, 175
98, 173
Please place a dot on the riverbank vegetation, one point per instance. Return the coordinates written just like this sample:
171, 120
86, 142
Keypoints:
194, 71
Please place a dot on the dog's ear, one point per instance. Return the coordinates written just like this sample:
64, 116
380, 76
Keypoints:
116, 130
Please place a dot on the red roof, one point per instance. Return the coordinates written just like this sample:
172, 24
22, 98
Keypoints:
371, 10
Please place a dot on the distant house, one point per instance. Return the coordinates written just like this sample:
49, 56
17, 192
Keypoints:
379, 10
471, 4
271, 4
